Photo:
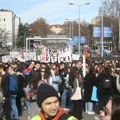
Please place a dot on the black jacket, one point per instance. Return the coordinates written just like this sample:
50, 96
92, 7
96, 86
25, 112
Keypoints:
89, 82
101, 91
5, 85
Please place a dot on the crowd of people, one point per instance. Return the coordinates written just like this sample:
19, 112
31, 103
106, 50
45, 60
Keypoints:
52, 84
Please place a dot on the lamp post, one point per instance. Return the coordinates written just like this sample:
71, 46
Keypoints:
70, 27
26, 31
102, 32
119, 29
79, 24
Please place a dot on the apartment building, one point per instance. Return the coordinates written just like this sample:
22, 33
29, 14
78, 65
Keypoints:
10, 23
96, 21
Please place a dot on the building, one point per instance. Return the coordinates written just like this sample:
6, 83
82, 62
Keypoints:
57, 28
96, 21
9, 22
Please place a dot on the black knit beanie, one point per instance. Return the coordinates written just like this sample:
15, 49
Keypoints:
44, 91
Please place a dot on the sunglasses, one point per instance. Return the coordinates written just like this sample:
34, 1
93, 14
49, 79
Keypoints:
43, 71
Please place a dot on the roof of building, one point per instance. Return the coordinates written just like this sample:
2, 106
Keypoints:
5, 10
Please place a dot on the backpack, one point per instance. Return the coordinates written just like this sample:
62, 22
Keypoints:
107, 83
13, 87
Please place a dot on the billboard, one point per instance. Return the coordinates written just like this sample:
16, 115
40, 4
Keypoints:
82, 39
97, 32
107, 32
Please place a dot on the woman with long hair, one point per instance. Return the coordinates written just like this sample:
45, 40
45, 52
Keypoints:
33, 83
77, 104
31, 92
44, 77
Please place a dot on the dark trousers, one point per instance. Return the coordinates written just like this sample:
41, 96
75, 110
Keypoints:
19, 105
77, 109
102, 101
7, 109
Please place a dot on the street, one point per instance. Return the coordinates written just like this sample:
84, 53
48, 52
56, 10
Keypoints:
28, 113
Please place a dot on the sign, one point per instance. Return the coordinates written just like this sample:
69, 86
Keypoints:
96, 31
75, 57
107, 32
82, 39
30, 56
15, 54
6, 58
51, 55
70, 42
75, 40
64, 54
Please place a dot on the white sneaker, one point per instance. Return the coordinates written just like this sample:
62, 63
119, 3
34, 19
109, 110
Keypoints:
91, 113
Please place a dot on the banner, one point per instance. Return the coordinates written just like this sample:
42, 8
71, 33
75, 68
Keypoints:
15, 54
51, 55
6, 58
65, 54
75, 57
43, 55
30, 56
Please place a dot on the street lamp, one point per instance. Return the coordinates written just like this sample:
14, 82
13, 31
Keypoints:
26, 28
119, 29
102, 31
79, 24
70, 27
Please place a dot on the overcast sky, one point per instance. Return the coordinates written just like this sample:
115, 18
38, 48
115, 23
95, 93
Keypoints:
54, 11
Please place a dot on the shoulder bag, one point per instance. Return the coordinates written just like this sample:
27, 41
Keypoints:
77, 94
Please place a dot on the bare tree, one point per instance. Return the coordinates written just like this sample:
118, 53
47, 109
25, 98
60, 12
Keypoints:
111, 18
3, 38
